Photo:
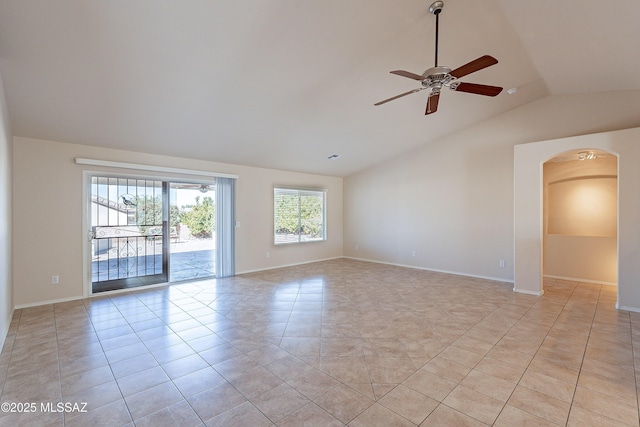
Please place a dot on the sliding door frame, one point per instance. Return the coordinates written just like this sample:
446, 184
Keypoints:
86, 220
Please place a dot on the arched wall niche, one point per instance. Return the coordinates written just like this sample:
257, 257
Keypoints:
529, 203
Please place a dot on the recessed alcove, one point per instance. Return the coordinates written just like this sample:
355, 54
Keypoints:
580, 190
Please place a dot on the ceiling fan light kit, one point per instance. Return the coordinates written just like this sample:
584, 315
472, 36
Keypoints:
437, 77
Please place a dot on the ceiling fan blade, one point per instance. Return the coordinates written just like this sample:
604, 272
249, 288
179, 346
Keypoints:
473, 66
432, 104
477, 89
399, 96
407, 74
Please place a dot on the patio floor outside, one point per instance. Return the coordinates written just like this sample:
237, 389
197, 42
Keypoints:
189, 259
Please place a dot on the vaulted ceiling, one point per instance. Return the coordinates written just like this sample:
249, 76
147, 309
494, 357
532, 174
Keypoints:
286, 83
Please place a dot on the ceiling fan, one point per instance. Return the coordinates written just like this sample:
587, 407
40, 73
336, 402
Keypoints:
203, 188
438, 77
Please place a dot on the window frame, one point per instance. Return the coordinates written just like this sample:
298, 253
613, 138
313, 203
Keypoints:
300, 192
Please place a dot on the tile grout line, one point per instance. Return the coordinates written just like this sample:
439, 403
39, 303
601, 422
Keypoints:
584, 354
529, 363
485, 355
635, 367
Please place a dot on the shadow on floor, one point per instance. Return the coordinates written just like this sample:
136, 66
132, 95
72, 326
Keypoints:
132, 272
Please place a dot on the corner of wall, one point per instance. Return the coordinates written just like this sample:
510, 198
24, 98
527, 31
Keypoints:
6, 229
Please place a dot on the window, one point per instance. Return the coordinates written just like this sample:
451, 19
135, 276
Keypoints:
299, 215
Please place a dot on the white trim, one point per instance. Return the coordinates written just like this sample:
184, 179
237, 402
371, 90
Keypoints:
577, 279
624, 307
297, 188
86, 226
455, 273
137, 166
522, 291
286, 265
52, 301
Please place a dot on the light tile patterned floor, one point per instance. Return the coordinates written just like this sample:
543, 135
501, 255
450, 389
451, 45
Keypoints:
331, 343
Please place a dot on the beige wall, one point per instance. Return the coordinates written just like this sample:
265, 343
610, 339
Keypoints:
581, 220
583, 206
583, 258
452, 202
6, 297
48, 219
529, 213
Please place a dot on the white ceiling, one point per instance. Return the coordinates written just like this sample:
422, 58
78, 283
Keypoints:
285, 83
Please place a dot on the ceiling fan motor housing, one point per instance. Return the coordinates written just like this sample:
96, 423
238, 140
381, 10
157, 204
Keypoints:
437, 77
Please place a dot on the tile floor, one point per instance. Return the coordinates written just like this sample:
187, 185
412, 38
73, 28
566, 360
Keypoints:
332, 343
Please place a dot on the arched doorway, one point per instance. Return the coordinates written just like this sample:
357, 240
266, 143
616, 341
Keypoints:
528, 209
580, 216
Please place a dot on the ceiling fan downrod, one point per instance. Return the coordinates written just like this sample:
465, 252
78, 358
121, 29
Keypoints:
436, 8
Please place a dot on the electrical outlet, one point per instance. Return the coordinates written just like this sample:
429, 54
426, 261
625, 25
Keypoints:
502, 263
268, 254
55, 280
413, 253
357, 246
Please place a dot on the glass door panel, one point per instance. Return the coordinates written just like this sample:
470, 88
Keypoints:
128, 233
192, 231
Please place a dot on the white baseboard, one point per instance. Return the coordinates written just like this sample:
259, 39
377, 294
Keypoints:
287, 265
522, 291
626, 308
53, 301
456, 273
577, 279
